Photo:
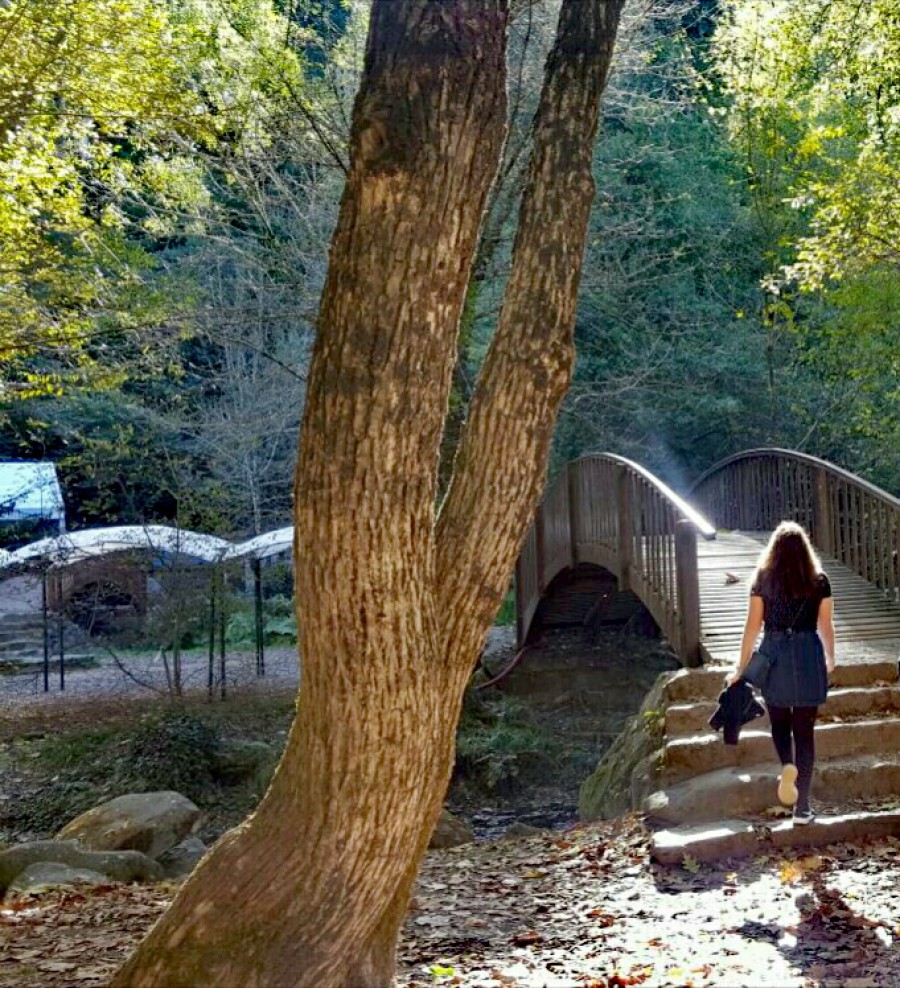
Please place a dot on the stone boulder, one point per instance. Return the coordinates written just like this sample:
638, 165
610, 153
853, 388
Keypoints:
628, 769
521, 829
181, 859
119, 866
44, 875
150, 822
451, 832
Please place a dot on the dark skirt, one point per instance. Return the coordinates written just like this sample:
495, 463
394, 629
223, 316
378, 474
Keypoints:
798, 676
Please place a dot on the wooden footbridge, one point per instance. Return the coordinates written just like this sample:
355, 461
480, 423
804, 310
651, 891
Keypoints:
690, 560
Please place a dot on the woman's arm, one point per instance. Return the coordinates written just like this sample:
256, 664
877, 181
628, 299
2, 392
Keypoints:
751, 633
826, 630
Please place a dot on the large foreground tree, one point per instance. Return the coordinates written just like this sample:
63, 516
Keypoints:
394, 599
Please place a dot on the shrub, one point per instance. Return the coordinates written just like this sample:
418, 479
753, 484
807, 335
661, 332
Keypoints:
279, 623
172, 751
499, 742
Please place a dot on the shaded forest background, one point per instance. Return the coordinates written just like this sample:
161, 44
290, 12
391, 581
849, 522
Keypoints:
166, 204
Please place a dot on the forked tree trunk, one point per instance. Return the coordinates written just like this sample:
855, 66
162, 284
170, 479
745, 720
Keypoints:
312, 889
392, 605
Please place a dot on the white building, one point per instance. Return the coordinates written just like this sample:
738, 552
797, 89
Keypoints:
30, 491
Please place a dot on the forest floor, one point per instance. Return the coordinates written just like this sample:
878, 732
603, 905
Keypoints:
573, 906
581, 908
523, 751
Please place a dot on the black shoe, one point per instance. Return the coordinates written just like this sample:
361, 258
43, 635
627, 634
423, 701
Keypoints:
803, 817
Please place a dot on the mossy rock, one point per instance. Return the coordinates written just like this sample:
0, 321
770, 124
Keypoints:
629, 767
121, 866
150, 822
450, 832
45, 875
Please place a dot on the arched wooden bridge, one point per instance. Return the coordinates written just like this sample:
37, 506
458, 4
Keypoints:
690, 560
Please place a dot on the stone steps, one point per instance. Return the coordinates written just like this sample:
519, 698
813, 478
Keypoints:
702, 753
22, 645
850, 702
22, 636
739, 838
711, 799
736, 791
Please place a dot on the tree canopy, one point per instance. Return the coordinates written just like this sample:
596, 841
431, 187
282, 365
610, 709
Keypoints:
163, 239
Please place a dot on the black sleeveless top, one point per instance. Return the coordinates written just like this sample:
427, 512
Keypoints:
781, 612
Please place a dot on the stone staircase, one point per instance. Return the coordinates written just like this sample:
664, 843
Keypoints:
709, 799
22, 642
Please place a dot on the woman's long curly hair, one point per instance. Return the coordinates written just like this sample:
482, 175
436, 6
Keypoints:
788, 566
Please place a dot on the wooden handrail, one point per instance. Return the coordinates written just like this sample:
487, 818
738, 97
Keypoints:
847, 517
815, 461
607, 510
688, 513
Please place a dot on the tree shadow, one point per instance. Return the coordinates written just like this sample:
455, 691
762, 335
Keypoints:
831, 940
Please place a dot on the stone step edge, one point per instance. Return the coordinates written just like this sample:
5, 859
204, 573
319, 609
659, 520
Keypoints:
750, 730
691, 719
834, 694
17, 665
738, 838
725, 777
707, 681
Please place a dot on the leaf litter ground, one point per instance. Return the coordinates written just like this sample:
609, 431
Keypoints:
582, 908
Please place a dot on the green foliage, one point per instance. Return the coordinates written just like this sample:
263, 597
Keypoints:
163, 239
169, 750
671, 361
174, 751
506, 616
100, 160
499, 741
814, 105
279, 623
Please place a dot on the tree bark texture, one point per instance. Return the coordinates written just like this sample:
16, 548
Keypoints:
313, 888
393, 604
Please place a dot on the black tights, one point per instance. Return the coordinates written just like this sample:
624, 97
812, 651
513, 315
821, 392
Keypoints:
793, 727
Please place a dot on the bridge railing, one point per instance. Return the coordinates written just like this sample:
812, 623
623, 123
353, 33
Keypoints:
848, 518
607, 510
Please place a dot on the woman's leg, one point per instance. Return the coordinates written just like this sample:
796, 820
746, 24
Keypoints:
780, 719
804, 723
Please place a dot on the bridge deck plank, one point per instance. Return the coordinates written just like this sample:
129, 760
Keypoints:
726, 566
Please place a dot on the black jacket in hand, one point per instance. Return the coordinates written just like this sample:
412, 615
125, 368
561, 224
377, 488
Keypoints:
737, 706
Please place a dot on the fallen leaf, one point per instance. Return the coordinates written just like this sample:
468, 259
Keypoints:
789, 872
601, 918
690, 863
778, 811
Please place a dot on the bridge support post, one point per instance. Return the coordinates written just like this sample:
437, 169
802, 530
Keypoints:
822, 514
539, 544
574, 509
520, 605
687, 578
625, 550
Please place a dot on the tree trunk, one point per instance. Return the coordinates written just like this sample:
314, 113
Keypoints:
313, 888
393, 606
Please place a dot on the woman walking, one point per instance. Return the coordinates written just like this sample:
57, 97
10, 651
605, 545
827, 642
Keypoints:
791, 599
